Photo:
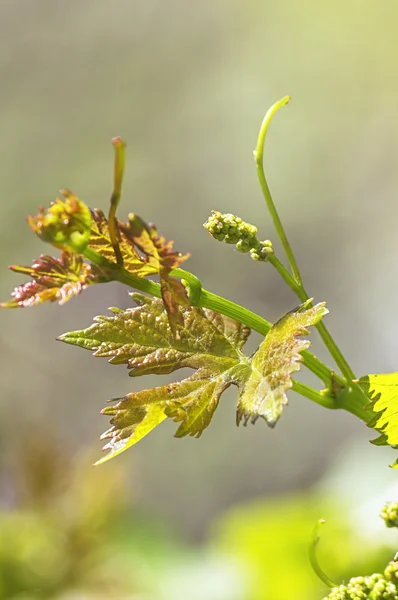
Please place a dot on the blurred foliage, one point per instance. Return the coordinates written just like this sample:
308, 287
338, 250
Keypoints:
56, 537
270, 540
68, 534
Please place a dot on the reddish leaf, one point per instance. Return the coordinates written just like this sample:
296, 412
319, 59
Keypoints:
53, 280
161, 257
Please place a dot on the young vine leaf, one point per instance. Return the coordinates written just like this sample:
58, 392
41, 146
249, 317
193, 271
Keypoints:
382, 391
157, 256
70, 225
278, 356
53, 280
65, 224
100, 242
142, 338
209, 343
160, 255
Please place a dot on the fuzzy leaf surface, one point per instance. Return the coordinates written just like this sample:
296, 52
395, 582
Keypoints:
53, 280
142, 339
382, 391
278, 356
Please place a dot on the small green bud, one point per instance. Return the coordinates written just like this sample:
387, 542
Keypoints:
383, 590
263, 251
389, 514
391, 571
213, 223
232, 237
247, 230
230, 224
338, 593
243, 245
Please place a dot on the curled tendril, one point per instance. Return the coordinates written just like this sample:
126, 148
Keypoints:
313, 557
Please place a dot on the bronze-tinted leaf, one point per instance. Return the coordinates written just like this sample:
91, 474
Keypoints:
100, 241
161, 256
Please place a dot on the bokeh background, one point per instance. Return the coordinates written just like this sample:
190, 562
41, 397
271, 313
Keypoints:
228, 516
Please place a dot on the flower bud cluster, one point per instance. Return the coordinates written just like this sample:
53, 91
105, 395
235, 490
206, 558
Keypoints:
389, 514
391, 572
374, 587
233, 230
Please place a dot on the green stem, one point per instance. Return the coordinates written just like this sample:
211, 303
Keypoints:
259, 157
328, 340
309, 392
354, 400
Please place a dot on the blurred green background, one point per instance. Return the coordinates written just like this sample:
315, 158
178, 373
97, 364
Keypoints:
187, 84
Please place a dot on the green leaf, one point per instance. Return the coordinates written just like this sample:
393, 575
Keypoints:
53, 280
264, 394
66, 224
382, 391
141, 338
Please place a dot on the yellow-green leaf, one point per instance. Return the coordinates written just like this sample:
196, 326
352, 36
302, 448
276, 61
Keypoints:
382, 391
264, 393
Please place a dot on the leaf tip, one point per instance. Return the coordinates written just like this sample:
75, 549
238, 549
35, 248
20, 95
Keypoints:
102, 460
